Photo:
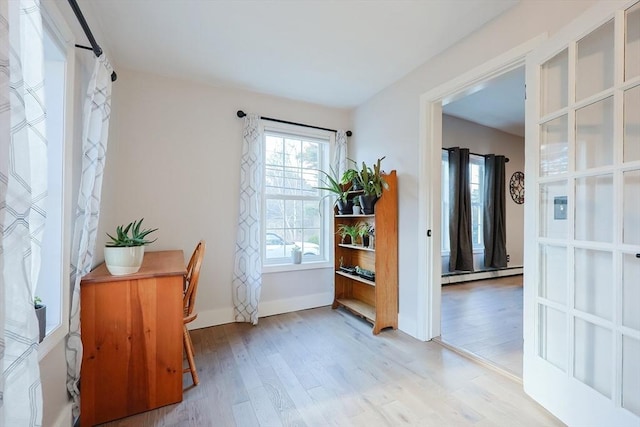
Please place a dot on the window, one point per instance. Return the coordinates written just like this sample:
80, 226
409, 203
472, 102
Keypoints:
444, 223
52, 285
476, 186
294, 213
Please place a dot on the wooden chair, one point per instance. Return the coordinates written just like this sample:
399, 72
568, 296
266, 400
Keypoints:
189, 301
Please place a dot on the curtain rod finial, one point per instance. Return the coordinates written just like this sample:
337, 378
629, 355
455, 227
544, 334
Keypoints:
349, 133
241, 113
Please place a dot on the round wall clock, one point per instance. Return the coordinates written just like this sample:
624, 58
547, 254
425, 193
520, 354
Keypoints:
516, 187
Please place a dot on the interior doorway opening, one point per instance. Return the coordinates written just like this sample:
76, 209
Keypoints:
482, 299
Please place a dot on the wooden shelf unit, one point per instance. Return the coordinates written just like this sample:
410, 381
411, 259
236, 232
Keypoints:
377, 301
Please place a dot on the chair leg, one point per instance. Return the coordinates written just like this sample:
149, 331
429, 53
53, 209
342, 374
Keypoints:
188, 348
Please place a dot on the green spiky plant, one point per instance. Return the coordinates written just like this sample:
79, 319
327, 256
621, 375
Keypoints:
136, 238
331, 183
371, 180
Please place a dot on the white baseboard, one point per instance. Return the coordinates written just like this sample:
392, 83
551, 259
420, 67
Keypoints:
270, 308
267, 308
408, 325
479, 275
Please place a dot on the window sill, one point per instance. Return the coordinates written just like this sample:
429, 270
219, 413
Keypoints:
281, 268
52, 340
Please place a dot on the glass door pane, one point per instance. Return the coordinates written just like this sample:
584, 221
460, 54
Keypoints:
553, 273
554, 146
552, 342
554, 81
593, 356
594, 208
632, 42
553, 210
630, 291
594, 279
631, 209
594, 135
631, 374
594, 62
632, 124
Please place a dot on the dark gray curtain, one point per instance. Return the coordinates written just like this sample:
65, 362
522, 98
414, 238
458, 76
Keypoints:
495, 234
461, 257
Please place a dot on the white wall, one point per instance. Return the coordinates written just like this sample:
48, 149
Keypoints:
388, 124
484, 140
173, 158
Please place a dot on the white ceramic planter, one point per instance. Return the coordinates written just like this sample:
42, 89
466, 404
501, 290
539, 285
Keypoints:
121, 261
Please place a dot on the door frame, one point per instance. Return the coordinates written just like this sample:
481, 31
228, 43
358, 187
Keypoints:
429, 178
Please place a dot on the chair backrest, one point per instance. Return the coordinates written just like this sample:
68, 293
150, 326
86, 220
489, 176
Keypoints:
192, 277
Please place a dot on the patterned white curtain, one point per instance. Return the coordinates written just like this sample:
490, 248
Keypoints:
95, 133
23, 191
247, 272
340, 153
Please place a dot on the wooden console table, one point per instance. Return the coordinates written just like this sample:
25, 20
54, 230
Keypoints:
132, 339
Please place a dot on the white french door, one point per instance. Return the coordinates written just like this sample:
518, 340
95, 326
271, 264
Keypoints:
582, 245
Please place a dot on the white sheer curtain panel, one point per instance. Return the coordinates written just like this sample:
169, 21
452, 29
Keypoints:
95, 133
340, 153
23, 191
247, 272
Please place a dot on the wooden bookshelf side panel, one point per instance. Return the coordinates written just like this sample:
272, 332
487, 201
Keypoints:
387, 257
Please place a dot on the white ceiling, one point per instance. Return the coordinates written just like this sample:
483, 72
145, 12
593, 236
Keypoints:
334, 52
497, 103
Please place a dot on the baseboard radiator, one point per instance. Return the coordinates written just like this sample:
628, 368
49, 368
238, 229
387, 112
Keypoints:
468, 276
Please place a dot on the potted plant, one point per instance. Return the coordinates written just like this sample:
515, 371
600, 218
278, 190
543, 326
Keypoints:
372, 183
330, 183
123, 255
350, 177
41, 314
372, 237
363, 231
296, 254
345, 230
356, 206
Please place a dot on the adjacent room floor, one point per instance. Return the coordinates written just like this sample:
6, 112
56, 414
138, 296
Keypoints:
323, 367
485, 318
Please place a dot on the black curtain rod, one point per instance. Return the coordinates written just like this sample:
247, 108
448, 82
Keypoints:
506, 159
241, 114
97, 50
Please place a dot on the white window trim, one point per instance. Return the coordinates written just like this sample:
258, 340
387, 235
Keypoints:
328, 242
62, 34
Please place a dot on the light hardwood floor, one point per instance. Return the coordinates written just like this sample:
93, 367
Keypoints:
484, 317
323, 367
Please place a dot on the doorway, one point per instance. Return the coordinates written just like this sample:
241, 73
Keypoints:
429, 246
481, 303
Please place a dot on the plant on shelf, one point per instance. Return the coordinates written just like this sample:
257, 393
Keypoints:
123, 255
350, 230
372, 237
366, 274
350, 177
363, 228
372, 183
330, 183
356, 206
41, 314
